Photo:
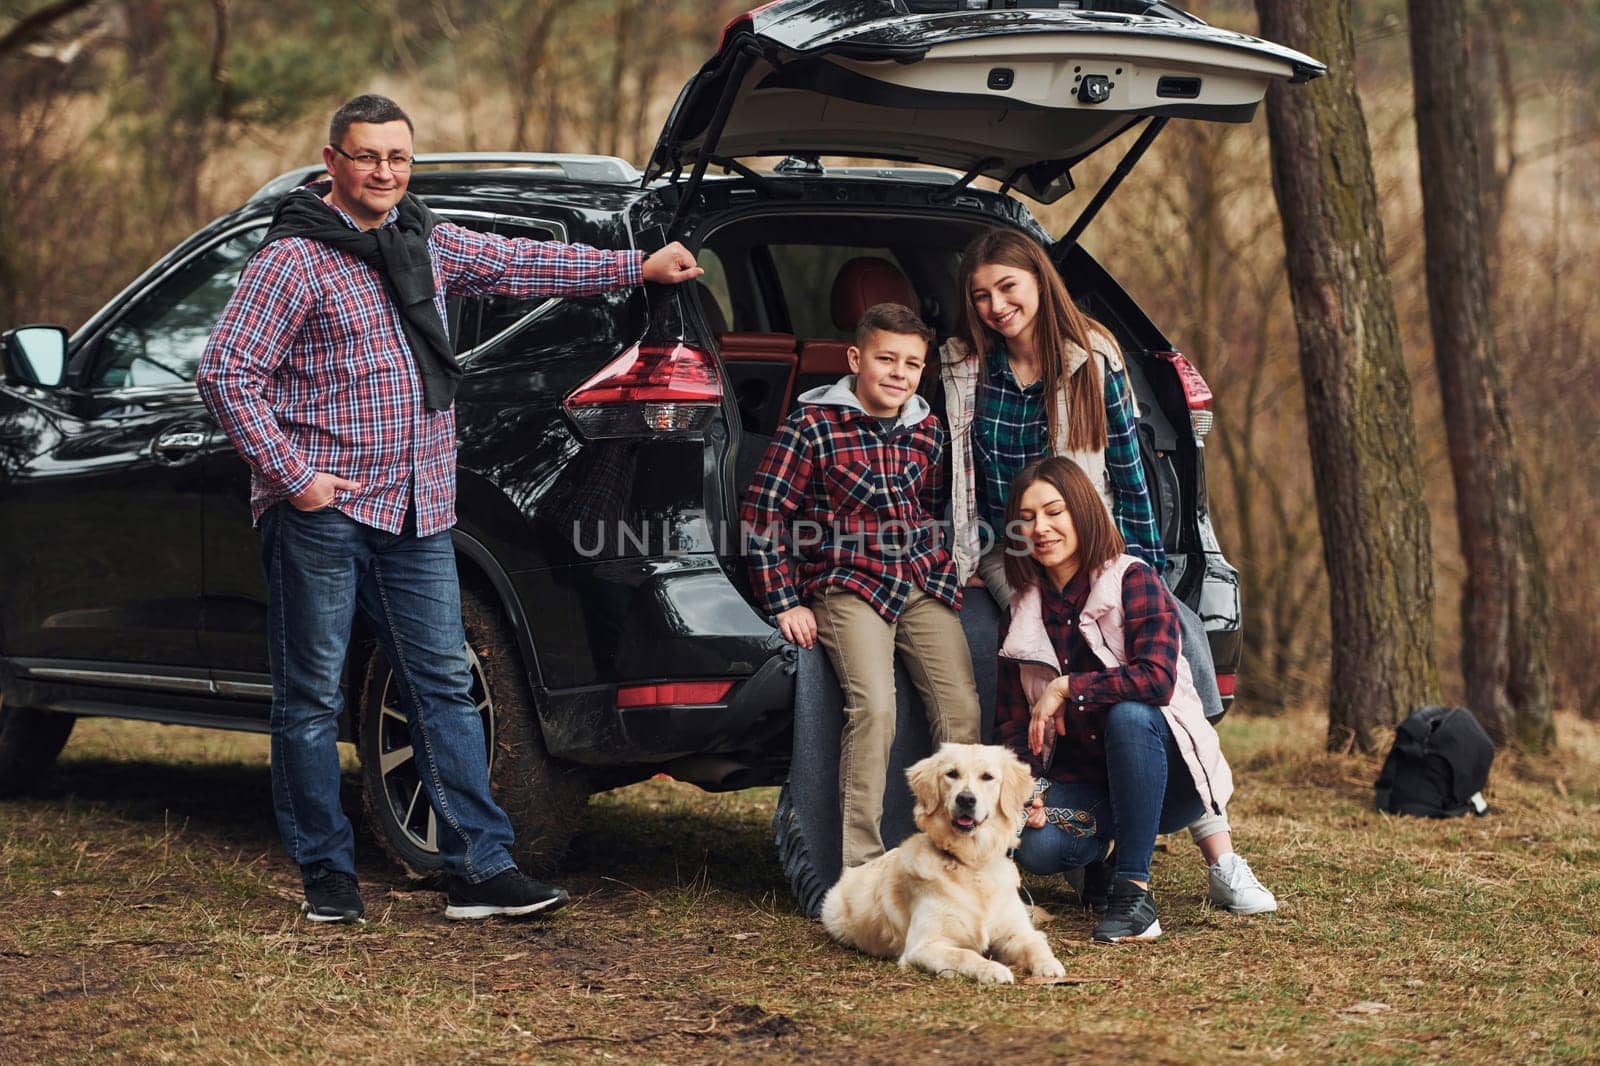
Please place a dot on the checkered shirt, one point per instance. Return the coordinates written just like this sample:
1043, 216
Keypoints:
308, 370
1152, 641
1012, 430
838, 502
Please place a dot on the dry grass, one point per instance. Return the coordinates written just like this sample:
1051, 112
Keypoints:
151, 918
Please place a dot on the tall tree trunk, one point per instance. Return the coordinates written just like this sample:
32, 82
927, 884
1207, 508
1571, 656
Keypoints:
1488, 32
1505, 607
1358, 398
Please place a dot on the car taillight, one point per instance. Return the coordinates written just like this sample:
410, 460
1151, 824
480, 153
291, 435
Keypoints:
692, 693
1225, 685
649, 390
1196, 393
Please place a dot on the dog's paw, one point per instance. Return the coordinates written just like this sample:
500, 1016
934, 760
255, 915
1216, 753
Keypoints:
1051, 967
995, 973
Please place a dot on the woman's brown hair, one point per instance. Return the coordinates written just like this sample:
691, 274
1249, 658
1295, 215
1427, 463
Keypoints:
1098, 539
1059, 322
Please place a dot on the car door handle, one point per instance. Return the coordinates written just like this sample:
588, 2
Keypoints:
178, 444
182, 440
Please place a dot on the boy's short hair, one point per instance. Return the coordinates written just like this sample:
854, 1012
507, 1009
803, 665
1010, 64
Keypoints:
368, 108
892, 318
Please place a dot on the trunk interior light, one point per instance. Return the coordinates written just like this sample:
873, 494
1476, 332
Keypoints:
649, 390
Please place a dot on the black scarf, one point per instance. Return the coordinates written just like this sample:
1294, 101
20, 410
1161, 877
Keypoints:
400, 254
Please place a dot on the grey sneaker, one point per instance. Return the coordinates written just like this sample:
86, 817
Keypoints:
1234, 887
1131, 915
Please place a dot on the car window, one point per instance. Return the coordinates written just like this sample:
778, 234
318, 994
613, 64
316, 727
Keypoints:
806, 273
496, 314
161, 337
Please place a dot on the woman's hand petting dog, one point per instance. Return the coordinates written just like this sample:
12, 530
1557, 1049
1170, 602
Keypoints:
948, 896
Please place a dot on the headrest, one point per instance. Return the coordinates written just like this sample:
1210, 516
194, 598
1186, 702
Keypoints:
864, 281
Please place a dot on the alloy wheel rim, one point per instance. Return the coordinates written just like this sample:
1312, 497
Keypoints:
408, 804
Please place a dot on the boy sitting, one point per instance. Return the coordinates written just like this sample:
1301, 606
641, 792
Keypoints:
850, 485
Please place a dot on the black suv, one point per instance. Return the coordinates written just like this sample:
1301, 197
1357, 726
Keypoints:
604, 441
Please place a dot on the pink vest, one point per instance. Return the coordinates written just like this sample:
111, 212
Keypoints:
1028, 643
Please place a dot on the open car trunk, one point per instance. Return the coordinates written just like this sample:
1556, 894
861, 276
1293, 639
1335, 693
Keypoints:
771, 310
1018, 95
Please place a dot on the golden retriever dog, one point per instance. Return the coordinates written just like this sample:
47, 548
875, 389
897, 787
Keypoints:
948, 897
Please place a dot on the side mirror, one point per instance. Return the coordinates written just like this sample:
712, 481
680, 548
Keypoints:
36, 355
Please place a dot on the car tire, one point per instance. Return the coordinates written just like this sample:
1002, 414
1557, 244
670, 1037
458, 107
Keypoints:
544, 797
30, 740
794, 855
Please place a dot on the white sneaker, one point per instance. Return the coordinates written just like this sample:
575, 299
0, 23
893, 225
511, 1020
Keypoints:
1234, 887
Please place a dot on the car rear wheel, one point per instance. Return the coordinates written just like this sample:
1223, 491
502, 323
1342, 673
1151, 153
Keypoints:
30, 740
794, 855
544, 797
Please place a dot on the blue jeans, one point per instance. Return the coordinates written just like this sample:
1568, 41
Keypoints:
321, 566
1148, 790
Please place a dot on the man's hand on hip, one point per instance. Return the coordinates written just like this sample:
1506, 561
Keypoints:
670, 265
319, 494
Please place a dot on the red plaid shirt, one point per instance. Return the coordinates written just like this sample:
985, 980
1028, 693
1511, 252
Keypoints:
308, 370
1151, 636
855, 504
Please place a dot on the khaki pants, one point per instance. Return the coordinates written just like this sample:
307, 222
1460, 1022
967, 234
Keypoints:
862, 647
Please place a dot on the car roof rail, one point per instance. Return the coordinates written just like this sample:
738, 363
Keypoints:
606, 169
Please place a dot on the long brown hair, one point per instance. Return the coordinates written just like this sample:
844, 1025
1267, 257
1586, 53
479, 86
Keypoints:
1058, 323
1098, 539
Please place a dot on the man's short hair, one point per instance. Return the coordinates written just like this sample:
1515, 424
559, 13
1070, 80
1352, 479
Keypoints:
368, 108
892, 318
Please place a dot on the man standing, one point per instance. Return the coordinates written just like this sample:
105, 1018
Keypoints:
332, 373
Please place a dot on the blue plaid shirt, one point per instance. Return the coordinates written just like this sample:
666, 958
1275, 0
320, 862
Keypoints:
1012, 430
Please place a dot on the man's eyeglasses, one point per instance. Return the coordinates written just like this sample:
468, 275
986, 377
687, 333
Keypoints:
367, 162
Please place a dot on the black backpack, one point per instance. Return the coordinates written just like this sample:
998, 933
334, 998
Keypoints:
1438, 766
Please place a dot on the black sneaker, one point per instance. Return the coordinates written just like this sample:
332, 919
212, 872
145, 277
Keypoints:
510, 893
1095, 895
1130, 916
332, 897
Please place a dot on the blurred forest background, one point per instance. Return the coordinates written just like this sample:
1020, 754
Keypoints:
129, 124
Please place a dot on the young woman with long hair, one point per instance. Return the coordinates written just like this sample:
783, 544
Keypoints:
1027, 375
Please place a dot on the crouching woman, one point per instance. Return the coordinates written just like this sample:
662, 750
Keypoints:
1094, 695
